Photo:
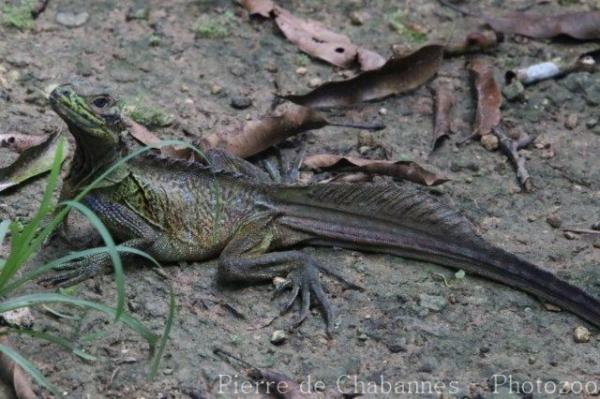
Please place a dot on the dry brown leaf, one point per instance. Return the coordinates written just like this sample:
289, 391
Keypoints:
489, 97
258, 7
444, 101
33, 161
256, 136
315, 39
398, 75
407, 170
583, 25
15, 376
245, 139
19, 142
146, 137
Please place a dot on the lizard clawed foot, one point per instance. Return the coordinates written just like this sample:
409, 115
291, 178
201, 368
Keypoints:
72, 273
303, 282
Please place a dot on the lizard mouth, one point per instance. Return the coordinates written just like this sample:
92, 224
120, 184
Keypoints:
73, 109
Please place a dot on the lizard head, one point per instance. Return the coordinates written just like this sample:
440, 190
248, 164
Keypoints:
92, 118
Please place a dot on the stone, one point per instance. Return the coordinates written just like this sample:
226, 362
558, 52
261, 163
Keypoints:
554, 221
489, 142
278, 337
433, 302
72, 19
582, 335
514, 91
571, 122
240, 102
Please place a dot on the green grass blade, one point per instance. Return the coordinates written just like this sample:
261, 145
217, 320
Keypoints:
29, 368
112, 251
21, 248
55, 339
162, 344
46, 298
34, 274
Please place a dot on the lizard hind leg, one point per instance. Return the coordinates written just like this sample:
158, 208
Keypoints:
245, 259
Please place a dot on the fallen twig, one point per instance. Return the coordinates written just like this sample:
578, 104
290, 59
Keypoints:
511, 148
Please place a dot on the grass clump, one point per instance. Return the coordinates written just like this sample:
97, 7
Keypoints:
26, 240
302, 60
209, 27
18, 16
398, 22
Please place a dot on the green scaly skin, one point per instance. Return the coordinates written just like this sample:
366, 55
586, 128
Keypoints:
181, 211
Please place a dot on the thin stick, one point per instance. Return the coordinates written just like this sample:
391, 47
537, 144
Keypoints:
511, 149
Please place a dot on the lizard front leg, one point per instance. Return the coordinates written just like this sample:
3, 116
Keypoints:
245, 259
125, 225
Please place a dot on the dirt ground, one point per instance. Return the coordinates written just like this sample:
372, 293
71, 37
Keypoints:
416, 322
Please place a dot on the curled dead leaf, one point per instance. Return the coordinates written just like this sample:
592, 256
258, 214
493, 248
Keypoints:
582, 25
258, 7
256, 136
248, 138
14, 375
33, 161
398, 75
315, 39
489, 97
407, 170
19, 142
443, 103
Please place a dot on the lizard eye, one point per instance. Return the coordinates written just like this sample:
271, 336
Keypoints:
100, 102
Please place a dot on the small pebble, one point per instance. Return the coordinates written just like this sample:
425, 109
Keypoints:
271, 67
554, 221
363, 337
72, 19
489, 142
301, 71
278, 337
382, 111
215, 89
514, 91
357, 18
569, 235
239, 102
571, 122
591, 123
582, 335
315, 82
531, 218
596, 226
551, 307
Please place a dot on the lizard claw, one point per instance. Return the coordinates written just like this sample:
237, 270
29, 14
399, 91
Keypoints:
305, 282
72, 273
